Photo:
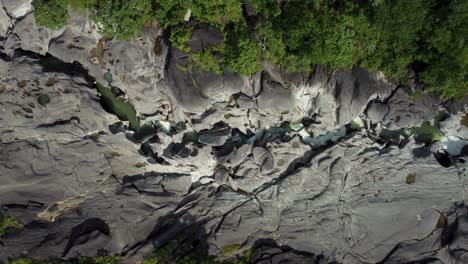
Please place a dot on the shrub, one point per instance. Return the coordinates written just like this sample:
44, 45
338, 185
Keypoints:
51, 13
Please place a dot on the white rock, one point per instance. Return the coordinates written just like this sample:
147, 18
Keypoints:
18, 8
188, 15
4, 23
357, 123
165, 126
453, 145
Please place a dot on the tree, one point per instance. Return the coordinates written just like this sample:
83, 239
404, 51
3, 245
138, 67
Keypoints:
380, 35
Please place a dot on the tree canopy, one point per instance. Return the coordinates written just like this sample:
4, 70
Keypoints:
427, 37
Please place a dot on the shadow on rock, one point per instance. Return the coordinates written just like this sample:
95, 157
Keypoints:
267, 251
183, 239
175, 239
446, 244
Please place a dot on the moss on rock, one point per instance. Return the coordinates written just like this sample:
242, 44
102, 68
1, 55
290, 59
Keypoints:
9, 222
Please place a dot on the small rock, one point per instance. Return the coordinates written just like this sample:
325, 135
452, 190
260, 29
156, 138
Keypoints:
27, 110
141, 164
442, 222
157, 48
43, 99
22, 84
2, 88
115, 154
108, 76
94, 136
410, 178
188, 15
51, 81
117, 92
464, 120
281, 162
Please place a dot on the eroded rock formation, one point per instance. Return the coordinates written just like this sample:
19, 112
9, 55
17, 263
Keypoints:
302, 167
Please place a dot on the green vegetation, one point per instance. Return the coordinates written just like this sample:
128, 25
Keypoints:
391, 43
165, 255
204, 60
180, 36
446, 51
229, 249
426, 36
118, 106
426, 133
244, 259
82, 260
100, 260
51, 14
120, 19
9, 222
21, 261
159, 255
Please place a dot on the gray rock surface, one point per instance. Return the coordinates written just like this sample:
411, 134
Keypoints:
226, 154
5, 22
18, 8
453, 125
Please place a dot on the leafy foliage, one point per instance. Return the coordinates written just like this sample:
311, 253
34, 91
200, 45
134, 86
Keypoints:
213, 12
165, 255
240, 52
427, 36
319, 36
229, 249
446, 53
180, 36
9, 222
392, 41
205, 60
120, 19
82, 260
51, 14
